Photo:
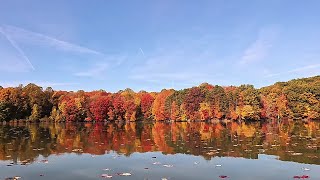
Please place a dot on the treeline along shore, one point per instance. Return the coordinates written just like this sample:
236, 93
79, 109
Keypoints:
298, 99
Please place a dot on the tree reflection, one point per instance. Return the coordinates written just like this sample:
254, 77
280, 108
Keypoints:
291, 141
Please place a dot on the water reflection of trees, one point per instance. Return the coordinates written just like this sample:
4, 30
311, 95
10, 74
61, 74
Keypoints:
25, 142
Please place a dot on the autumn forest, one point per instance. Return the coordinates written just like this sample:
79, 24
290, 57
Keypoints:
296, 99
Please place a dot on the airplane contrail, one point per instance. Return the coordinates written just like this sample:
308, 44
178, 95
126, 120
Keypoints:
15, 45
142, 52
38, 38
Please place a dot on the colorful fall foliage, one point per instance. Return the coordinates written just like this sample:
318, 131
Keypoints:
295, 99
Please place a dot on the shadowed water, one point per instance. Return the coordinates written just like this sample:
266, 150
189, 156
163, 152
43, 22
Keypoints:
161, 150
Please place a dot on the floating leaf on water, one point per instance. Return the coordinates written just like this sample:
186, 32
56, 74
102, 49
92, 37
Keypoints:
13, 178
25, 163
9, 178
301, 177
44, 161
106, 176
306, 169
223, 177
124, 174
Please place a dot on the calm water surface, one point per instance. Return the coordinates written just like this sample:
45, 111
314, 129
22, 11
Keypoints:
205, 151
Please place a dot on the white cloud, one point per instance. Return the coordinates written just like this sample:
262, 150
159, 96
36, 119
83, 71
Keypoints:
167, 69
99, 68
260, 48
307, 68
95, 72
184, 62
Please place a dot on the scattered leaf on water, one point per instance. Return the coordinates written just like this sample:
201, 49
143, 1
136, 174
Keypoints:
44, 161
106, 176
13, 178
301, 177
223, 177
124, 174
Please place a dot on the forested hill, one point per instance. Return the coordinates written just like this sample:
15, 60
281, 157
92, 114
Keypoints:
295, 99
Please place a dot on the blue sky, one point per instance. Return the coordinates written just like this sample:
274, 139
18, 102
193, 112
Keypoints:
151, 45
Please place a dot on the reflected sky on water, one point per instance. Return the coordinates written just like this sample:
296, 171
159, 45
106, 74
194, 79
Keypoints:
158, 150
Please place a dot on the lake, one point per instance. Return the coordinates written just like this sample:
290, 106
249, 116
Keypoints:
159, 150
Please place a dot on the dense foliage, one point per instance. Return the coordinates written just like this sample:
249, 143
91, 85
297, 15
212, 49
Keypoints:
296, 99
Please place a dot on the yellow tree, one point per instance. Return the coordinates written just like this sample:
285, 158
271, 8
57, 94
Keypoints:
35, 115
174, 111
205, 111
